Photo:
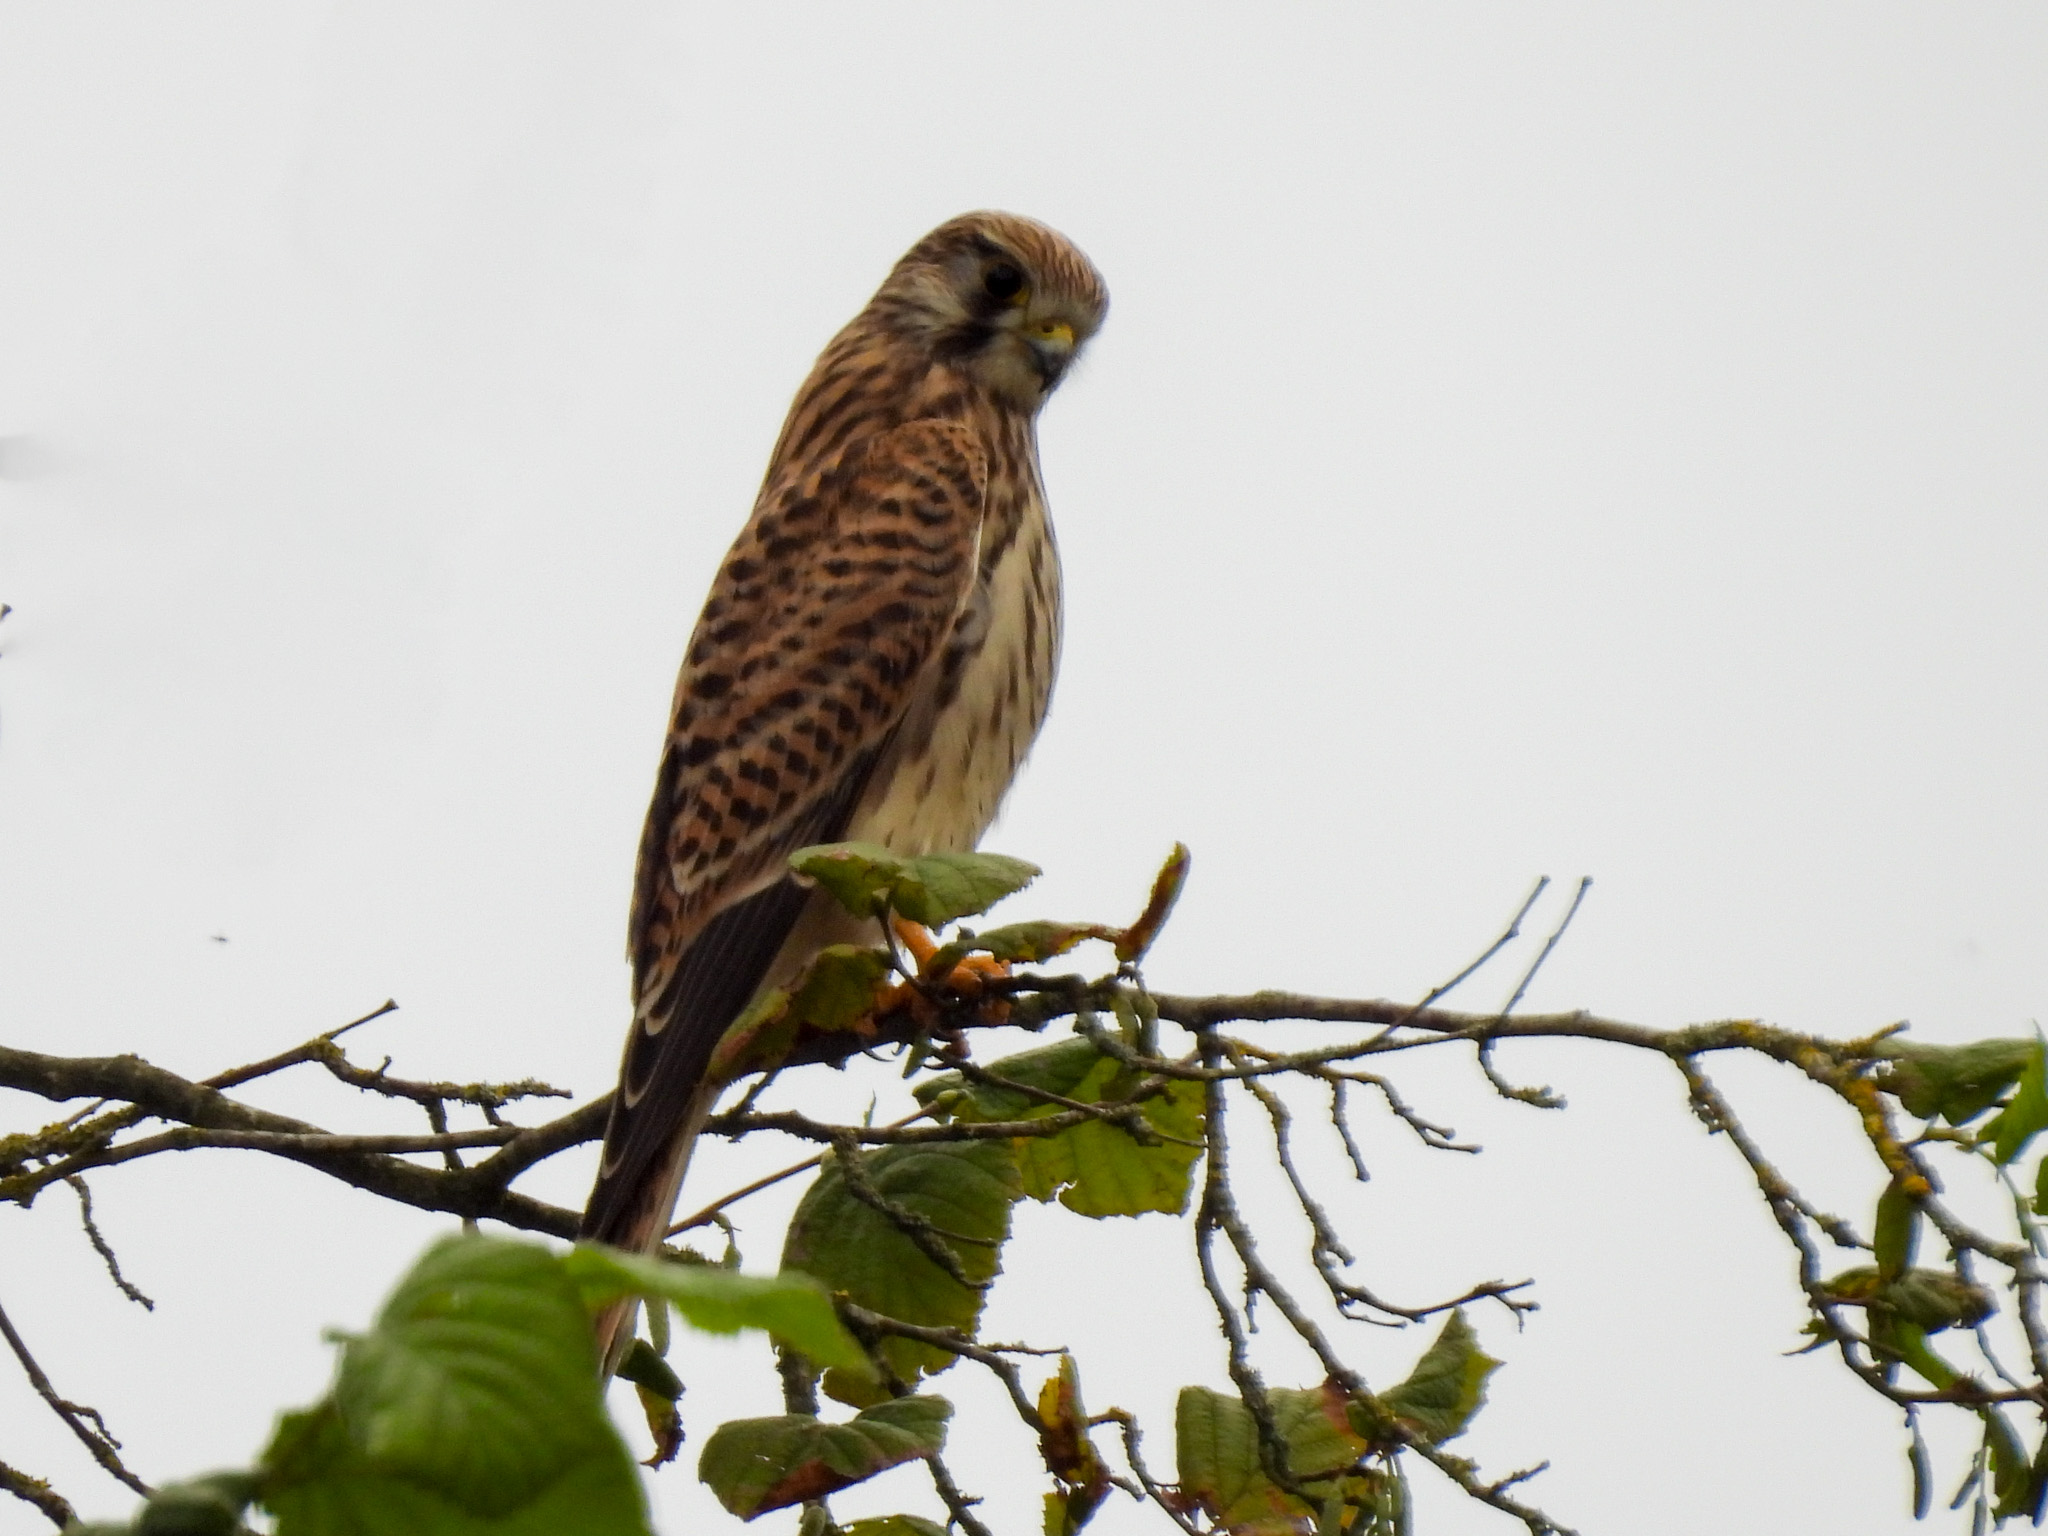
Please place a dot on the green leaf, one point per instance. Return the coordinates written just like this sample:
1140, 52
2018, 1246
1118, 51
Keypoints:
2026, 1116
1955, 1082
1097, 1169
839, 988
792, 1307
323, 1485
1910, 1340
1935, 1299
755, 1465
933, 889
2035, 1505
964, 1189
659, 1389
2011, 1480
836, 991
859, 876
894, 1525
1055, 1068
471, 1406
1216, 1444
1897, 1234
205, 1506
472, 1379
942, 888
758, 1040
649, 1372
1447, 1386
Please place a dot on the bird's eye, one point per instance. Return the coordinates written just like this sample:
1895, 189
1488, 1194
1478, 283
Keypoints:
1002, 281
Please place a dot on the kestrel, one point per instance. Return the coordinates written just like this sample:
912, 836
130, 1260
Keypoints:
872, 664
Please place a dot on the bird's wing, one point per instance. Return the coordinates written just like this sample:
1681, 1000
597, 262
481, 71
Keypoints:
832, 606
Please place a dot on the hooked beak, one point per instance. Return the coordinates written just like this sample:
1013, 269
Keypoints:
1052, 348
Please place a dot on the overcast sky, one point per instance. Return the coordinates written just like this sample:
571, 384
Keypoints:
1577, 439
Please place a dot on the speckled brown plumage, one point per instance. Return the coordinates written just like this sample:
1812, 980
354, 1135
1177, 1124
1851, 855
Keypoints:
873, 661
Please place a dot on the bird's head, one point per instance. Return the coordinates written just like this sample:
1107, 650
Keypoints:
1000, 297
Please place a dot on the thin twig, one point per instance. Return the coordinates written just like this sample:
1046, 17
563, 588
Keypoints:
1128, 1423
1327, 1251
1342, 1121
82, 1421
992, 1357
1493, 1495
1529, 976
925, 1235
103, 1248
959, 1505
234, 1077
1212, 1217
1508, 936
769, 1181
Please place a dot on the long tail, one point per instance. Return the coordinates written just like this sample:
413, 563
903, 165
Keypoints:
640, 1223
665, 1093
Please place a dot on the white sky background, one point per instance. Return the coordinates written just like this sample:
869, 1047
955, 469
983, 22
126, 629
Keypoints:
1527, 439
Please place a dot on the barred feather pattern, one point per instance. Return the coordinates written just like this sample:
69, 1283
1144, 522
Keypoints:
873, 661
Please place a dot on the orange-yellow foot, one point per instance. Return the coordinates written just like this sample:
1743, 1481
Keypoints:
915, 937
968, 978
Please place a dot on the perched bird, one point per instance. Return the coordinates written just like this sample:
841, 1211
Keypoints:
872, 664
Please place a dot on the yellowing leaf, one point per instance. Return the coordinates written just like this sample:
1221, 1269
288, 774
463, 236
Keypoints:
659, 1389
755, 1041
1069, 1453
1132, 943
1017, 944
1216, 1443
838, 990
755, 1465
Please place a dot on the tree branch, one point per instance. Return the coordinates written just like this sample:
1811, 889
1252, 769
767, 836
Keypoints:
82, 1421
125, 1091
33, 1490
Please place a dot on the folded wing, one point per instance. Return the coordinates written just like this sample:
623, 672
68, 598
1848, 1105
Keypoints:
829, 614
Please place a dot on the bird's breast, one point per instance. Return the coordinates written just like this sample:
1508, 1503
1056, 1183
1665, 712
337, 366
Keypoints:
979, 709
